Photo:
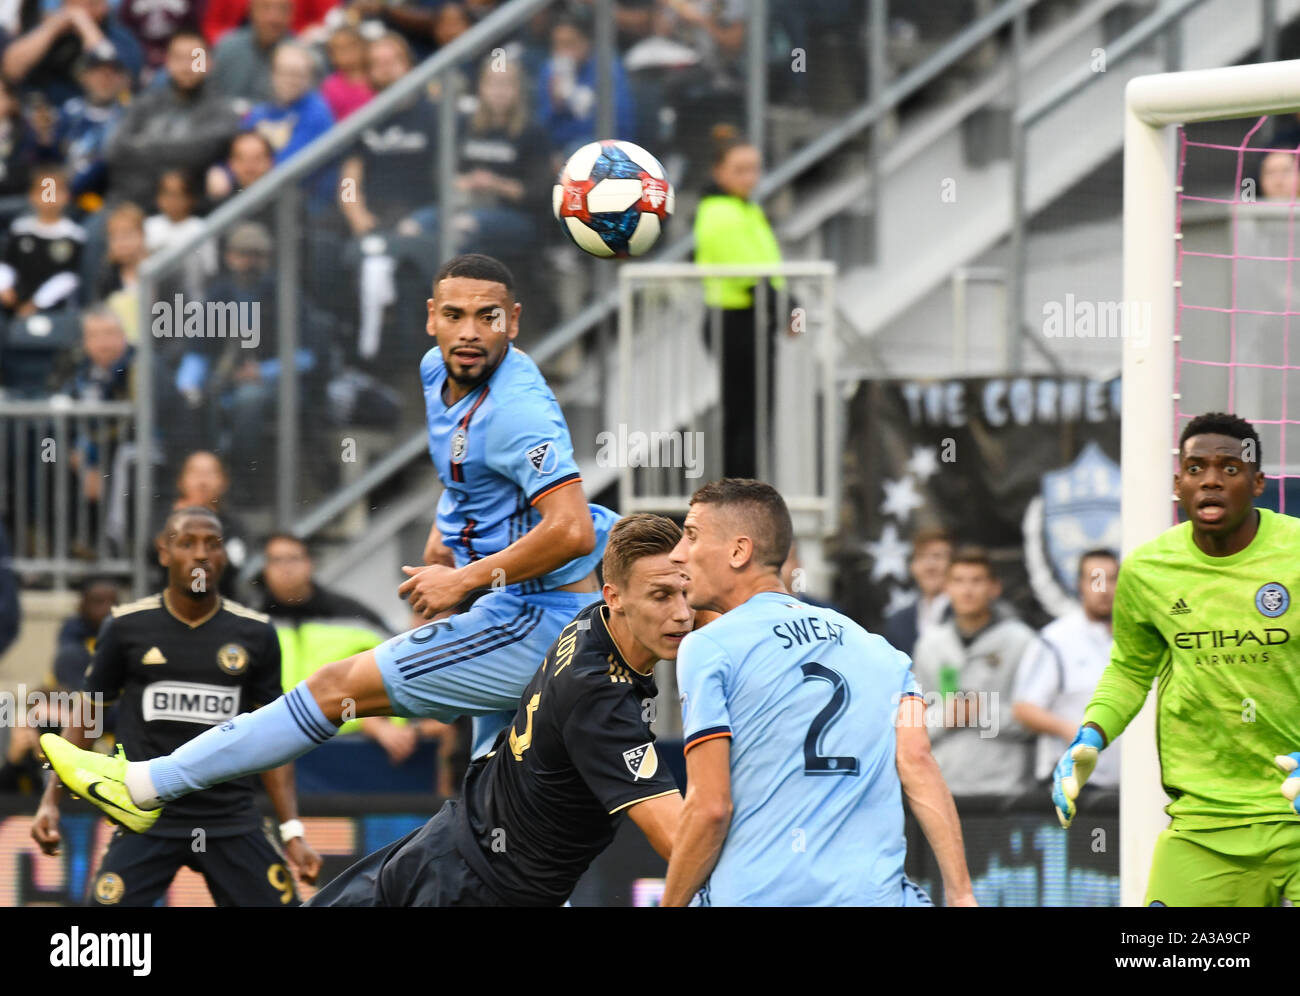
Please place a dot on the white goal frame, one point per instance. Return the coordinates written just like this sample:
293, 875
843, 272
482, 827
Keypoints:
1152, 105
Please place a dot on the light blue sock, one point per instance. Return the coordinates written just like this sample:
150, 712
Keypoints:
254, 741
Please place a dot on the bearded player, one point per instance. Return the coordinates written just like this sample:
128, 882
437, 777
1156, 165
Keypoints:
1206, 607
513, 525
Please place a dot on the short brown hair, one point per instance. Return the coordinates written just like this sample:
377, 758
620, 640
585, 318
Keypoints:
764, 512
931, 534
973, 555
634, 537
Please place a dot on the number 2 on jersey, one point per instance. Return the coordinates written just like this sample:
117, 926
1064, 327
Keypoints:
813, 761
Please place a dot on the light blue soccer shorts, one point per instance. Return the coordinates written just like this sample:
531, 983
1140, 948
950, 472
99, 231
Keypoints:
476, 663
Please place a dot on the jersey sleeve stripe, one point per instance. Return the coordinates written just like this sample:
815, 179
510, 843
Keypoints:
310, 727
712, 733
554, 486
657, 795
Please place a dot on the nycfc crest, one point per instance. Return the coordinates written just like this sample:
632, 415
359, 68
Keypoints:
1272, 600
1077, 511
233, 659
459, 444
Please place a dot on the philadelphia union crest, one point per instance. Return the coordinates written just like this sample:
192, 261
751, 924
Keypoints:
1076, 511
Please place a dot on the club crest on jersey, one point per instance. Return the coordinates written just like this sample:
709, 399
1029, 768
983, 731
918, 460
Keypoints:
233, 659
543, 458
109, 888
642, 761
1272, 600
459, 445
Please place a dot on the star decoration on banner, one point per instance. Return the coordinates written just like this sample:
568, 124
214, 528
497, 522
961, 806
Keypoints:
899, 599
924, 463
901, 498
889, 554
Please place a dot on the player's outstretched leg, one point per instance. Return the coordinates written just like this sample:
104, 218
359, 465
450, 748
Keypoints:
257, 741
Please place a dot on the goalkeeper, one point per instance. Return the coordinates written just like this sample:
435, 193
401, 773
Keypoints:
1206, 607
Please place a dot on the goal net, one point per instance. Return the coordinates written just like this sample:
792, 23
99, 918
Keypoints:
1209, 246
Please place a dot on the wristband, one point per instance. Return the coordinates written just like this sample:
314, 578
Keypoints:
290, 829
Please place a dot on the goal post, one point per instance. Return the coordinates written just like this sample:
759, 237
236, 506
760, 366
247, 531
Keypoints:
1152, 105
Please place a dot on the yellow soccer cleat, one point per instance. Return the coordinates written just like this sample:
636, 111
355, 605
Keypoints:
99, 779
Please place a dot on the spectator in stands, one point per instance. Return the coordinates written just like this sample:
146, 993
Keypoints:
22, 767
39, 271
76, 640
183, 125
389, 176
119, 283
44, 58
245, 381
243, 56
731, 228
1279, 177
715, 29
931, 554
417, 22
18, 151
203, 481
297, 115
175, 223
10, 614
347, 88
103, 372
222, 16
155, 23
85, 124
967, 665
1060, 670
317, 625
249, 159
566, 90
501, 179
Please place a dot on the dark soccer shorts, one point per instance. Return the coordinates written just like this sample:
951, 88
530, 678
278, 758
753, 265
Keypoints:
422, 869
244, 870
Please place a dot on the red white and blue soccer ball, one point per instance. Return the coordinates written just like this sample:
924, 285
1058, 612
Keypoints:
612, 198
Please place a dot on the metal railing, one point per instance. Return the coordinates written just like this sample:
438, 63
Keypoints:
65, 504
885, 99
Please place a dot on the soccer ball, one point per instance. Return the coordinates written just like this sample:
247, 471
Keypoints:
612, 198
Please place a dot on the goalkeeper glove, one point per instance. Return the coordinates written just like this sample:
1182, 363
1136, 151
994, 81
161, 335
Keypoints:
1290, 784
1073, 771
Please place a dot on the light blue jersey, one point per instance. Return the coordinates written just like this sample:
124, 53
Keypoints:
810, 700
497, 451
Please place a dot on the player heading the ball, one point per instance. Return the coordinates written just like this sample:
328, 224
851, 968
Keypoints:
513, 550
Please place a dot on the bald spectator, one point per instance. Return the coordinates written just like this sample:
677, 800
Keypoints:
185, 124
45, 56
243, 57
931, 552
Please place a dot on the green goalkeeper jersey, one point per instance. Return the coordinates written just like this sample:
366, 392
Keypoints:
1219, 633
